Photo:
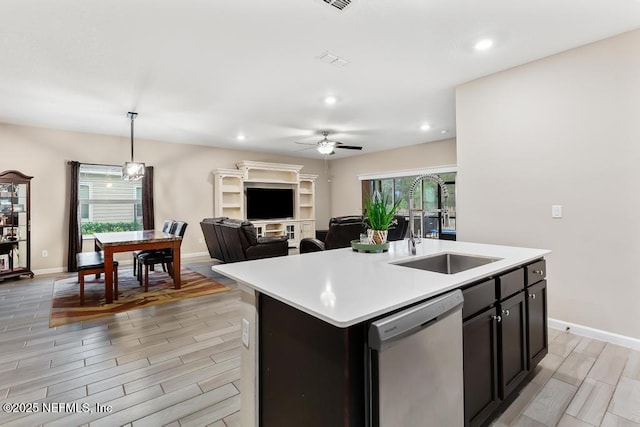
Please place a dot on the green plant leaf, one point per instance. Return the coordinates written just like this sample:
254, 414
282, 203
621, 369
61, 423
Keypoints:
379, 212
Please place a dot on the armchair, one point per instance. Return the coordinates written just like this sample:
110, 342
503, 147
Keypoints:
234, 240
344, 229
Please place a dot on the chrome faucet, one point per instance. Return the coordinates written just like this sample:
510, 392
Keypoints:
445, 211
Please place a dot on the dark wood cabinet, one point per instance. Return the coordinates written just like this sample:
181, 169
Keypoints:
311, 373
15, 224
505, 337
537, 338
512, 343
480, 355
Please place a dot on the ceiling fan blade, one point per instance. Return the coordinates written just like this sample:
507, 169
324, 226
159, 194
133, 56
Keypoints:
349, 147
306, 143
304, 149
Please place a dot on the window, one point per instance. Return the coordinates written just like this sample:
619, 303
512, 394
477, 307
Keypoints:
106, 202
426, 196
83, 193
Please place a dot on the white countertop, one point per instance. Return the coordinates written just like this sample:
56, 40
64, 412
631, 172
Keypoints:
343, 287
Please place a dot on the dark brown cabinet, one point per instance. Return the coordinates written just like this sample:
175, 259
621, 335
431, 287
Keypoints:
15, 224
504, 337
536, 296
512, 343
314, 374
480, 356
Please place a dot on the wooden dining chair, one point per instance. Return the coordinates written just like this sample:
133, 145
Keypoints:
93, 263
169, 226
164, 257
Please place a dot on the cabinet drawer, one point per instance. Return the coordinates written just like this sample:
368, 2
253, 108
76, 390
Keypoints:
478, 297
510, 283
536, 272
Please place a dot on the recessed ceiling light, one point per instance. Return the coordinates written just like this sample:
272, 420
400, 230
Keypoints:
483, 44
241, 137
330, 100
425, 126
444, 131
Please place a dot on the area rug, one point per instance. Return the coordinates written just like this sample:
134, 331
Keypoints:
65, 302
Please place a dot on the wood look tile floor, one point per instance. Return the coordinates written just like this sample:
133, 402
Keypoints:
178, 364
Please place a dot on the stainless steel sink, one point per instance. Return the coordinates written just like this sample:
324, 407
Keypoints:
447, 263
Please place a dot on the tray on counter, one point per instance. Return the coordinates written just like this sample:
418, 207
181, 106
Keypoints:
365, 247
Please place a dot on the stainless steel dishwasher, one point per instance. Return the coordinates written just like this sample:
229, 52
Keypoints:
415, 366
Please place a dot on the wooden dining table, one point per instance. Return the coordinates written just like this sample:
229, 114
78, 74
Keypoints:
127, 241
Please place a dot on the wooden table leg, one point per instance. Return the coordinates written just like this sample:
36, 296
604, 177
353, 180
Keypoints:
176, 264
108, 275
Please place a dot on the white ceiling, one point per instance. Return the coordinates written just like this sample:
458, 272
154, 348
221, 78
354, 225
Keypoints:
202, 71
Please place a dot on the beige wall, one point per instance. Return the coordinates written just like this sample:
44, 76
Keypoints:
345, 186
183, 180
562, 130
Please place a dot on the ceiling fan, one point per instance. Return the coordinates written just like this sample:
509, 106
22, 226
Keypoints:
327, 146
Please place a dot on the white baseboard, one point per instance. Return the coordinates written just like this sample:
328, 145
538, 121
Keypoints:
49, 271
598, 334
195, 255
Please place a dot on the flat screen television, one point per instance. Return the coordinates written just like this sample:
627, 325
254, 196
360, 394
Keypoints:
269, 203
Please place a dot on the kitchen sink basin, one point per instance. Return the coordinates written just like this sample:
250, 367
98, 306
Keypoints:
447, 263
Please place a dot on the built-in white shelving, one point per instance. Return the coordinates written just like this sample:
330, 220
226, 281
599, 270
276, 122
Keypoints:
229, 197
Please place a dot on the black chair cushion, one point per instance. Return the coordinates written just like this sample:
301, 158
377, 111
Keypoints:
91, 260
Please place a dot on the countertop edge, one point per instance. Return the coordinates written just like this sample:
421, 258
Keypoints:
347, 321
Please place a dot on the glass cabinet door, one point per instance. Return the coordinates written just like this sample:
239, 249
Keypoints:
14, 224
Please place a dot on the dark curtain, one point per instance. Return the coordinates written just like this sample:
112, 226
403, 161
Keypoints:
75, 232
148, 220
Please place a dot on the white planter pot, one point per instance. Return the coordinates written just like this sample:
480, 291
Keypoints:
377, 237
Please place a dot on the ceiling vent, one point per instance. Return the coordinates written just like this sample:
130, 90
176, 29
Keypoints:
332, 59
338, 4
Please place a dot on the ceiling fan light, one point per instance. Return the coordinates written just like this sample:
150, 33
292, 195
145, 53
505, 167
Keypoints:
325, 148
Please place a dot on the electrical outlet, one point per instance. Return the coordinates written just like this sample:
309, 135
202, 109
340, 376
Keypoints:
556, 211
245, 332
45, 253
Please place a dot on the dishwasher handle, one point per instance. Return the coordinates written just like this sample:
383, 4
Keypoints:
385, 331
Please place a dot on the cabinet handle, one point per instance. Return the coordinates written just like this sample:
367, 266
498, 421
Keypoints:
540, 272
505, 312
532, 296
498, 318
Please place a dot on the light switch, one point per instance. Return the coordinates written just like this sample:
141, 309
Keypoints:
245, 332
556, 211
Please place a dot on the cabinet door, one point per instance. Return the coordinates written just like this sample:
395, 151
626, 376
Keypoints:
537, 338
480, 367
512, 343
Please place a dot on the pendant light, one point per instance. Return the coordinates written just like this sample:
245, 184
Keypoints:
132, 171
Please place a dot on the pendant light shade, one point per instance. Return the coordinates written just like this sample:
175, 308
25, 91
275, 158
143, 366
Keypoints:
132, 171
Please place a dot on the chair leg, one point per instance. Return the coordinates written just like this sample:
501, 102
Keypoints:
146, 278
135, 264
170, 268
115, 282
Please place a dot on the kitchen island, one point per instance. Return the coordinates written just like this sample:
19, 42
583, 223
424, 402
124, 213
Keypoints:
305, 319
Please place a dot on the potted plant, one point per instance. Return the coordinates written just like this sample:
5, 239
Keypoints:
379, 217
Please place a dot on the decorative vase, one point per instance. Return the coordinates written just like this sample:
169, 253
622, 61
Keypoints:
377, 237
